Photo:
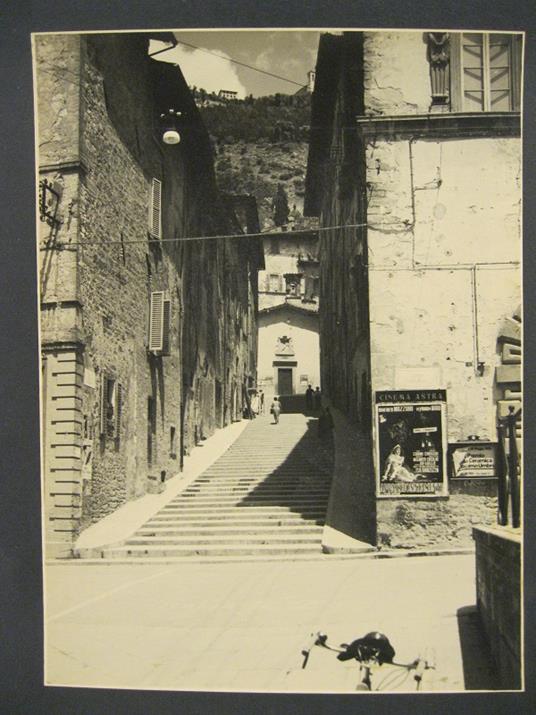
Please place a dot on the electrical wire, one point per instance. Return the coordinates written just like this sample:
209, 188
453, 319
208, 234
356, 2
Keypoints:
179, 239
242, 64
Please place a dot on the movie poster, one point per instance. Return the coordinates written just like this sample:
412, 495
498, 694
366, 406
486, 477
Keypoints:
411, 443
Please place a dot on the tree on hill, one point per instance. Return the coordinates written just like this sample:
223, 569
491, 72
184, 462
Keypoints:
280, 206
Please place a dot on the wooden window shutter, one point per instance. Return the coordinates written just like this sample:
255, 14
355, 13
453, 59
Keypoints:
517, 64
156, 322
118, 408
456, 72
155, 209
166, 327
102, 406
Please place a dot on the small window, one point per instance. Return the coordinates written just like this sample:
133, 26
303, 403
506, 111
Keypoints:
293, 284
172, 443
159, 323
155, 209
111, 407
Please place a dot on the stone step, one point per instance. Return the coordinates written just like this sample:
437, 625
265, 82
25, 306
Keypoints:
230, 530
229, 540
163, 551
294, 490
250, 510
251, 498
232, 519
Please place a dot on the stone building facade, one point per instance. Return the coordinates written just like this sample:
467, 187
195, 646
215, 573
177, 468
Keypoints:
415, 142
145, 341
288, 314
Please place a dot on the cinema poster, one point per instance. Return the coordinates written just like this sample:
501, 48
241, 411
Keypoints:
411, 443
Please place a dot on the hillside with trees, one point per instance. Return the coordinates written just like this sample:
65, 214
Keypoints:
260, 145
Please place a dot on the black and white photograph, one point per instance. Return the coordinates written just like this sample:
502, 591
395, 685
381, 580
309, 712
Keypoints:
280, 345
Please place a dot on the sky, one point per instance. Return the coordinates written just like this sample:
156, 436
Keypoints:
289, 54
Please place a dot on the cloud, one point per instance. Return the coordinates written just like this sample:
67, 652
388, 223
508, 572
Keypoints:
202, 69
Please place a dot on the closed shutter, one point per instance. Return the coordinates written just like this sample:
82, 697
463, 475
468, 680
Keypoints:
156, 322
155, 209
103, 396
166, 328
118, 409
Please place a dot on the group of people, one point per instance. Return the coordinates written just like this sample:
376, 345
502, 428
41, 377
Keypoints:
313, 398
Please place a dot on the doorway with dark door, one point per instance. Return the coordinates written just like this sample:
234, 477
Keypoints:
284, 381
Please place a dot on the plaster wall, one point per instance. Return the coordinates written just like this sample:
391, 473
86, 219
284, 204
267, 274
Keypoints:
444, 249
396, 73
303, 329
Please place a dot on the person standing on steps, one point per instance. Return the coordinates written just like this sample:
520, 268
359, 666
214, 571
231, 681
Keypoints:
309, 392
261, 402
275, 409
318, 399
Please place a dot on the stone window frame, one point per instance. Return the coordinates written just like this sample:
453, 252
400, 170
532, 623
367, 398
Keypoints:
515, 42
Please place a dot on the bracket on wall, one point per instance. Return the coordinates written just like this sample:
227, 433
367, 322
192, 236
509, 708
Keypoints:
439, 59
49, 199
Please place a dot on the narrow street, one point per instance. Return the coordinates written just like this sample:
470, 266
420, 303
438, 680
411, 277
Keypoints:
265, 497
223, 586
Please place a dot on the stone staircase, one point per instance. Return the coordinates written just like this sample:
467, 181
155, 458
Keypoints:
266, 497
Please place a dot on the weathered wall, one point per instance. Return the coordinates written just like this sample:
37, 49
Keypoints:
396, 73
303, 329
437, 524
500, 601
432, 269
443, 250
116, 280
95, 298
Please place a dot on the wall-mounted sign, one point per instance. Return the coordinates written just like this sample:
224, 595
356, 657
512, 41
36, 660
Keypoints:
474, 459
411, 443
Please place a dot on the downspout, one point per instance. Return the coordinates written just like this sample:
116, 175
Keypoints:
478, 364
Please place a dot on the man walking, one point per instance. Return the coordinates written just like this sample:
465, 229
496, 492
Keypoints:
275, 409
318, 399
309, 398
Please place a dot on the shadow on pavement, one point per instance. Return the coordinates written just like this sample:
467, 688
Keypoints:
302, 481
479, 671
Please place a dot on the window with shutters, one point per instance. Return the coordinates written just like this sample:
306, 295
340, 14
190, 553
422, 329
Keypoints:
159, 323
111, 407
155, 209
485, 72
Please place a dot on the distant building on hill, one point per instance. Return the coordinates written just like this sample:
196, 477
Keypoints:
228, 94
309, 87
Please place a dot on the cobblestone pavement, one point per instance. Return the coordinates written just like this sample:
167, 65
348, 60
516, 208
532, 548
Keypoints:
241, 626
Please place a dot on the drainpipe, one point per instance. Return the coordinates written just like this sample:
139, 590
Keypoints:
479, 365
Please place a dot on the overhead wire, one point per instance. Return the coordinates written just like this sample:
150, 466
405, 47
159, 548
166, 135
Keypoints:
179, 239
242, 64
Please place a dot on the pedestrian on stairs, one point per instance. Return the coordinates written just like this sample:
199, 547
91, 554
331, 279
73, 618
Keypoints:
317, 399
309, 392
275, 409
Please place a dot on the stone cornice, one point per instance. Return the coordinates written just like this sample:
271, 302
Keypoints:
475, 124
64, 167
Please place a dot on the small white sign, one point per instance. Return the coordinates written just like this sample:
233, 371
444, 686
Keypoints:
89, 377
